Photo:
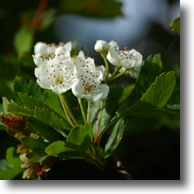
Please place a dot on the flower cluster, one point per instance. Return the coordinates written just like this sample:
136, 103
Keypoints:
58, 71
128, 60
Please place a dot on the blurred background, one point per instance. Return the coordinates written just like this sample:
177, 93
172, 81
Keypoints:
150, 148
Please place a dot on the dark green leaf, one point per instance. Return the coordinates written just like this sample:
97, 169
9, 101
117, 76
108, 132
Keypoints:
115, 137
44, 131
55, 148
175, 25
161, 90
95, 8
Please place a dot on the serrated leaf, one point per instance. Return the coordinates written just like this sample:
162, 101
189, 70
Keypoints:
55, 148
150, 70
11, 166
115, 137
28, 87
23, 40
31, 107
160, 90
44, 131
175, 25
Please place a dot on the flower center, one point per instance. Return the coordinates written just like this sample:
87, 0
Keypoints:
58, 79
88, 88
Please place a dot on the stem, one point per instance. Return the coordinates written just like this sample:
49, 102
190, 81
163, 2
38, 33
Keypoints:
118, 75
88, 112
67, 111
37, 16
106, 65
82, 110
116, 70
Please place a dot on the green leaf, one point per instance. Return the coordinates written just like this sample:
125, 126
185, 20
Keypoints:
11, 166
55, 148
115, 137
31, 107
151, 69
175, 25
80, 137
52, 100
160, 90
23, 40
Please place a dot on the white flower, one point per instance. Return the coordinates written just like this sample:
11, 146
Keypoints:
128, 59
44, 52
56, 74
101, 45
88, 85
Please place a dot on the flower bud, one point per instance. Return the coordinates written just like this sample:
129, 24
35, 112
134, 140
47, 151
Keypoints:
101, 45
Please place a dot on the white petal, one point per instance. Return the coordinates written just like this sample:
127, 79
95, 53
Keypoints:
90, 76
77, 89
64, 50
84, 63
137, 57
102, 69
113, 53
101, 92
40, 48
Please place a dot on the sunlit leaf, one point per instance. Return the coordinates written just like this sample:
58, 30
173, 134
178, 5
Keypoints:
160, 90
23, 40
175, 25
11, 166
55, 148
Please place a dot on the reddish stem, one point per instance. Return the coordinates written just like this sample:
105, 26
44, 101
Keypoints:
37, 16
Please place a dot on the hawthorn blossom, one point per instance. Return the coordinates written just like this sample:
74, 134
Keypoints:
128, 59
88, 85
57, 75
44, 52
